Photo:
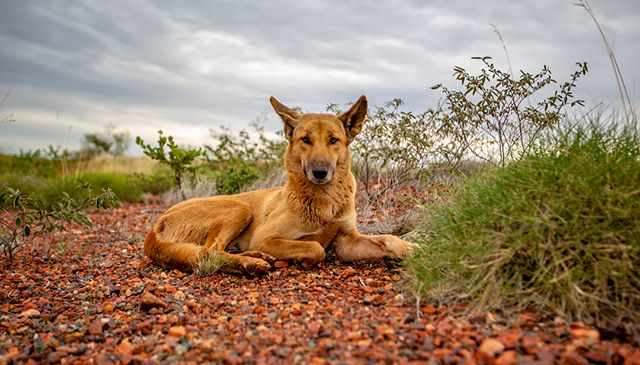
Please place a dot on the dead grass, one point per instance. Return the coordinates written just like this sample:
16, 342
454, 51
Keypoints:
118, 164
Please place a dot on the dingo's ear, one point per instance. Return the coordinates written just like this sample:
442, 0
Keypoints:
354, 118
288, 115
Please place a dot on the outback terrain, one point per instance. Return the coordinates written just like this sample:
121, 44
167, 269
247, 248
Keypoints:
89, 296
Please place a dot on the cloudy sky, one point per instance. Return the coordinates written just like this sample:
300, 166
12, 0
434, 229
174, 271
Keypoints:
72, 67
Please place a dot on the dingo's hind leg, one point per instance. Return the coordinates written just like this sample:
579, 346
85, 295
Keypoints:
191, 233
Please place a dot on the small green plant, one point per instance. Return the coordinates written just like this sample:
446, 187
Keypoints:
181, 161
29, 216
557, 230
155, 183
213, 264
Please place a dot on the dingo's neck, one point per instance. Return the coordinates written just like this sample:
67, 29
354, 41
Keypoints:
325, 203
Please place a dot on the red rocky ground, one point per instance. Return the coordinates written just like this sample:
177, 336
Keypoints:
89, 296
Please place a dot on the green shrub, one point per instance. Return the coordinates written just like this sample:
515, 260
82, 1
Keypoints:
179, 160
557, 230
237, 160
496, 116
155, 183
235, 176
31, 216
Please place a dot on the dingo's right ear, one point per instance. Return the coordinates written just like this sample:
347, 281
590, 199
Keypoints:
288, 115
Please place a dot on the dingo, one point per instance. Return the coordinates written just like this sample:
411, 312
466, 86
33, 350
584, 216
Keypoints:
295, 222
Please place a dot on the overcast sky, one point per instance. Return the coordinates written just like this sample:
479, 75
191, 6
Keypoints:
72, 67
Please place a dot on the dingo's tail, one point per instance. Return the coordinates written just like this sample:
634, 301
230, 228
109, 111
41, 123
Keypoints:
175, 255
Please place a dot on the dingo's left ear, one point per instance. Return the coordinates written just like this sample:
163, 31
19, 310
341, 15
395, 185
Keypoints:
288, 115
354, 118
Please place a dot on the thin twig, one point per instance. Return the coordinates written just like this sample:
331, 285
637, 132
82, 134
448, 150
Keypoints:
504, 46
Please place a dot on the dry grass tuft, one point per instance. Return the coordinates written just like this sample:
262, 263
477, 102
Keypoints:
557, 230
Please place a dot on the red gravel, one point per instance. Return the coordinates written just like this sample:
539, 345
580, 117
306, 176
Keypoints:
93, 298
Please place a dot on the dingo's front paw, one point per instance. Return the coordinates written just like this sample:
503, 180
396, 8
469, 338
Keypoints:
254, 266
397, 246
259, 255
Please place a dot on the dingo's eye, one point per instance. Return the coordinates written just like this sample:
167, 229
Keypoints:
306, 140
334, 140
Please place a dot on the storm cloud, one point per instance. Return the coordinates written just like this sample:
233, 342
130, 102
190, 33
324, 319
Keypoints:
74, 66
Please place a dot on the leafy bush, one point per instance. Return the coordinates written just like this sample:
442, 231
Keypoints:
394, 147
557, 230
495, 117
235, 177
155, 183
181, 161
492, 119
237, 160
35, 217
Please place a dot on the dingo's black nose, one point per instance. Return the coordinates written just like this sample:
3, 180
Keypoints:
320, 173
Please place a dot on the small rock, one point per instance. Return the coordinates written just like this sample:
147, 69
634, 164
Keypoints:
179, 295
348, 272
398, 300
55, 356
280, 264
427, 344
491, 347
95, 328
573, 358
507, 358
125, 359
148, 301
71, 337
29, 313
206, 345
104, 359
510, 340
584, 334
530, 344
126, 347
633, 358
598, 357
429, 309
177, 331
180, 349
367, 289
314, 328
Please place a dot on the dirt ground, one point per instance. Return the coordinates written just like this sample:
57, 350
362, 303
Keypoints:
89, 296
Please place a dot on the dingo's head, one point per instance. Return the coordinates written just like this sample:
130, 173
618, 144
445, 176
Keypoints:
319, 143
